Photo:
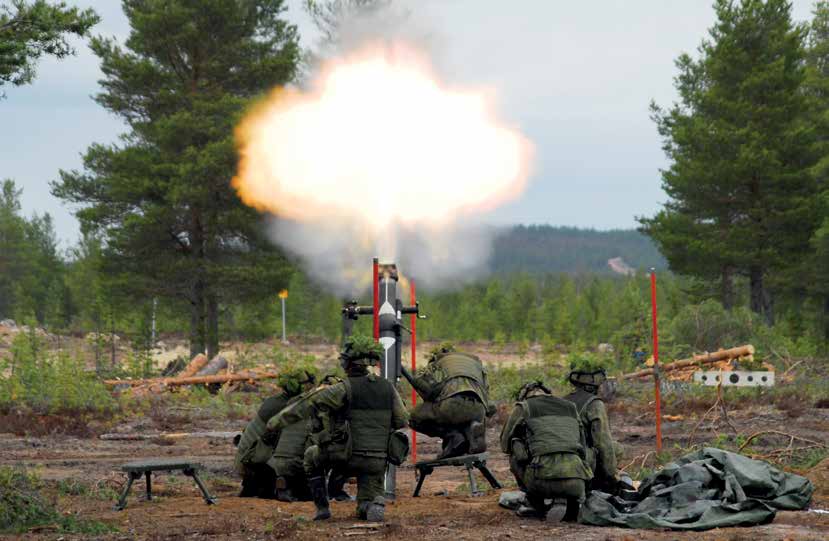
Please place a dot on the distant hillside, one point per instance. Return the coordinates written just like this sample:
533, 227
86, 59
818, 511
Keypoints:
544, 248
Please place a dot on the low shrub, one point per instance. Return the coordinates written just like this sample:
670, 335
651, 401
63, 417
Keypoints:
49, 382
23, 506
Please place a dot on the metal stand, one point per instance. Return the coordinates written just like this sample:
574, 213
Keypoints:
427, 467
135, 470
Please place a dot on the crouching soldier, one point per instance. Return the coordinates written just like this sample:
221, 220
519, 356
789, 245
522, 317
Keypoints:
455, 403
587, 377
355, 419
545, 442
259, 460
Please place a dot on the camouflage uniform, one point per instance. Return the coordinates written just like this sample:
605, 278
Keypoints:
601, 455
455, 403
362, 409
545, 441
263, 465
253, 454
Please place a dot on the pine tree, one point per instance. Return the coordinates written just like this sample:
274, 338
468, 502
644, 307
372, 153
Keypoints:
161, 199
742, 197
816, 269
29, 31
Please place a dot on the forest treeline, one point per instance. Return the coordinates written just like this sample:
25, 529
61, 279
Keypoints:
549, 249
745, 229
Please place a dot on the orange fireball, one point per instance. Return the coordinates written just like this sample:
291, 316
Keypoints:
379, 139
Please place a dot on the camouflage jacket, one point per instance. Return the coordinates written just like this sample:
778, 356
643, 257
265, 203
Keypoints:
594, 417
551, 466
434, 383
326, 402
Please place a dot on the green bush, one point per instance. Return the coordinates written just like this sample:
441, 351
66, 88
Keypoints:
49, 382
23, 506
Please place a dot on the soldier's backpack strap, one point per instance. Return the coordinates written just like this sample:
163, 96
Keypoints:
587, 402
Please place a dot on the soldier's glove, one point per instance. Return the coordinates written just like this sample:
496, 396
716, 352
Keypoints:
491, 409
271, 438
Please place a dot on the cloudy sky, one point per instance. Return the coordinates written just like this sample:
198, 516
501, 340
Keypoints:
576, 77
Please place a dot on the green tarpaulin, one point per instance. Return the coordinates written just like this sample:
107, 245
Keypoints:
708, 489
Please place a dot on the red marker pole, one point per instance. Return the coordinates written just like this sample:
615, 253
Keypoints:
413, 323
658, 398
376, 292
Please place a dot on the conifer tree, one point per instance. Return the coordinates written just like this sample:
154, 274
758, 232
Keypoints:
741, 193
161, 199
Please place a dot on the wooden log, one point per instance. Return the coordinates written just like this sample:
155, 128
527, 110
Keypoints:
195, 365
130, 436
703, 358
216, 364
193, 380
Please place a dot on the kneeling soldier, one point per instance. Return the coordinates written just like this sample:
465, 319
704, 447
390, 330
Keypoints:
587, 377
545, 442
455, 403
354, 421
257, 461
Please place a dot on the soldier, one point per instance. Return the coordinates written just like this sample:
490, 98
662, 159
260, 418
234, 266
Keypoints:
255, 460
455, 403
546, 445
354, 419
587, 377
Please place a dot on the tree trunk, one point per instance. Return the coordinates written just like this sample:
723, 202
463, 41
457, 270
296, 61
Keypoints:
112, 332
727, 294
212, 326
826, 318
198, 291
760, 299
197, 334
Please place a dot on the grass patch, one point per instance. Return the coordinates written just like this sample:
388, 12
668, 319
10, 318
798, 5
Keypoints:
23, 507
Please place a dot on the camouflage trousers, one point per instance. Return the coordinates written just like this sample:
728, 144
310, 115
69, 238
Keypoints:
258, 480
370, 472
454, 413
538, 489
293, 472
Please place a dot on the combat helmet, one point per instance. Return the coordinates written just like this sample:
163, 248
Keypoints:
292, 379
442, 349
360, 350
587, 373
532, 388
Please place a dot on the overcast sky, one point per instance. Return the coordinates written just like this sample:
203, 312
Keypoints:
576, 77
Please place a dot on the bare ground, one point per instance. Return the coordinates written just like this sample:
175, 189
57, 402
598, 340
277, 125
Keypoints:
444, 511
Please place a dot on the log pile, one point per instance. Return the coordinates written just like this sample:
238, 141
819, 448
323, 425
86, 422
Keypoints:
684, 369
199, 371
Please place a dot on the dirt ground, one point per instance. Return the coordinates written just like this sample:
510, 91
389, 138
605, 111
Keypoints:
445, 510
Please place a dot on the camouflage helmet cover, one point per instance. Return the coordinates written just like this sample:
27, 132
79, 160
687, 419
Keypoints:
440, 350
532, 388
586, 371
359, 349
292, 378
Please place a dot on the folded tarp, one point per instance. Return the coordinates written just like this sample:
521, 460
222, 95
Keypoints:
707, 489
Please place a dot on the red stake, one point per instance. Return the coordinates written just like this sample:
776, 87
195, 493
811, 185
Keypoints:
376, 292
658, 398
413, 323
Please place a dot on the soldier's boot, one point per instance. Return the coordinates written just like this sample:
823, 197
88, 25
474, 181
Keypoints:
454, 444
475, 434
535, 508
572, 512
283, 492
376, 510
250, 488
336, 490
317, 486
